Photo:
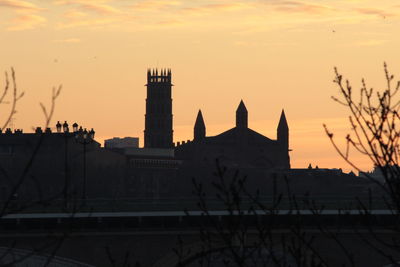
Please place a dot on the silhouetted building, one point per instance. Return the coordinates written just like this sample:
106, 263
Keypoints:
158, 119
239, 147
44, 162
126, 142
81, 168
381, 174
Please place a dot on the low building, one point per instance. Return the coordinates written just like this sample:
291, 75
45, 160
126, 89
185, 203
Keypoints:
126, 142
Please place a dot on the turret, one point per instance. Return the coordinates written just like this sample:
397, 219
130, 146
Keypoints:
199, 127
241, 116
283, 140
283, 131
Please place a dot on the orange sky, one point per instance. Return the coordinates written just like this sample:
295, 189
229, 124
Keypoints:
273, 54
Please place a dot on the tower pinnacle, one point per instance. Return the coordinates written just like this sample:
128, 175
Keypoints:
282, 122
283, 138
199, 127
283, 131
241, 115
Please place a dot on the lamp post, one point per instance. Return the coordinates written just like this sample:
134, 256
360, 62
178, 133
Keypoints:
65, 132
58, 127
84, 137
66, 184
75, 127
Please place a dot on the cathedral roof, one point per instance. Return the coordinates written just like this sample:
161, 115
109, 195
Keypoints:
235, 135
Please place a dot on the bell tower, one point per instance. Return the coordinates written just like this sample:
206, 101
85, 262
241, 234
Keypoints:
158, 119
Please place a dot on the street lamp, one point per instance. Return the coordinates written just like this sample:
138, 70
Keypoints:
91, 133
65, 127
58, 127
65, 130
75, 127
84, 137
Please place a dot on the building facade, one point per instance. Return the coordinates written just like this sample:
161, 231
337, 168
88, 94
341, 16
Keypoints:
239, 147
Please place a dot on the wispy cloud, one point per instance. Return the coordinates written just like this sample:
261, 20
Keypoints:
170, 22
74, 14
374, 11
100, 7
156, 4
300, 7
370, 43
88, 13
26, 15
215, 8
259, 44
68, 41
149, 14
19, 5
26, 22
86, 23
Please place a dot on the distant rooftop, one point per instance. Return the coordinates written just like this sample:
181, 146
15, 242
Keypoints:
126, 142
150, 152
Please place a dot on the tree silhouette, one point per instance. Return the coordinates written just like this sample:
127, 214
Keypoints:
232, 241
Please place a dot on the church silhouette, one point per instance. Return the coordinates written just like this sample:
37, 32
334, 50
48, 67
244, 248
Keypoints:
237, 147
162, 169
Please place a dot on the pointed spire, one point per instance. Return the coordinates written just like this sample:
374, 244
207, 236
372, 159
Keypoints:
241, 116
199, 118
199, 127
242, 105
282, 122
283, 132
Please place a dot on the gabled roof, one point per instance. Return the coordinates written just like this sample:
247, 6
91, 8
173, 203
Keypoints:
235, 134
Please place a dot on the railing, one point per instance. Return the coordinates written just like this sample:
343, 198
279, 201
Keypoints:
176, 204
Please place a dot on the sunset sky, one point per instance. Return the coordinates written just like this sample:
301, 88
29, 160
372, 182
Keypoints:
273, 54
